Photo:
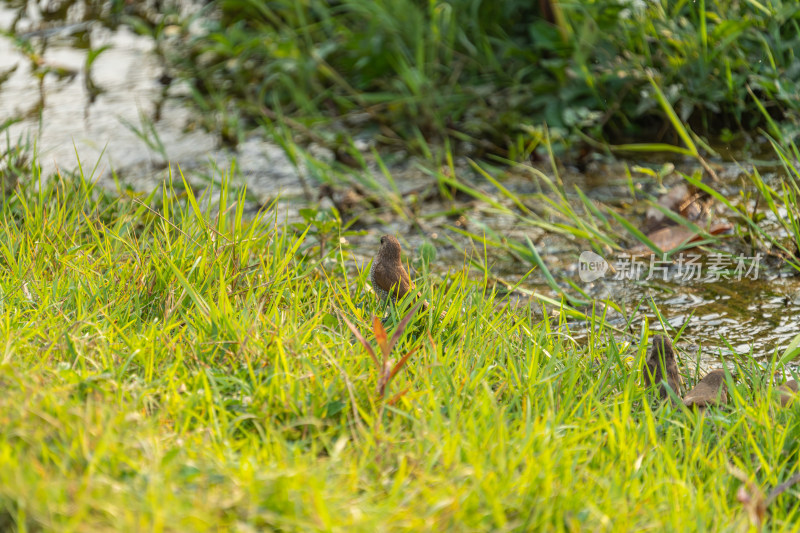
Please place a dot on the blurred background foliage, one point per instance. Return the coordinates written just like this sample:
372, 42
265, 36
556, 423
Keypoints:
489, 74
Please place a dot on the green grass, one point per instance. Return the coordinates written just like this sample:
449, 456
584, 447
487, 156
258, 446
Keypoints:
169, 364
488, 75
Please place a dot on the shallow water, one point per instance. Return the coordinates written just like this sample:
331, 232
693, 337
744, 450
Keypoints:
67, 108
50, 93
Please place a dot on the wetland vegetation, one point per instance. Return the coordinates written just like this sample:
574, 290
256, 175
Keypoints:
193, 356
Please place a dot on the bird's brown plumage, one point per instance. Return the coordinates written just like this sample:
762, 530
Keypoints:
387, 274
788, 391
709, 391
660, 358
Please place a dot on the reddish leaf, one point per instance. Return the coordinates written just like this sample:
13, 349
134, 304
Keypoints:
672, 237
681, 199
397, 396
401, 362
380, 336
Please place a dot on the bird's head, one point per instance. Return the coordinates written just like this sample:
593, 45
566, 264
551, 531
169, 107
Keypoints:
662, 346
390, 248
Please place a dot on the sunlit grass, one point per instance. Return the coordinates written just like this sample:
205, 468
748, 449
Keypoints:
169, 364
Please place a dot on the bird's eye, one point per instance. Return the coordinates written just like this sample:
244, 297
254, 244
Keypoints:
381, 240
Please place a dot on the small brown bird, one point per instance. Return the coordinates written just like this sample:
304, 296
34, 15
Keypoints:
662, 358
709, 391
787, 392
387, 274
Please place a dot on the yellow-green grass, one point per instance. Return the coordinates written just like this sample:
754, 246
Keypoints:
170, 366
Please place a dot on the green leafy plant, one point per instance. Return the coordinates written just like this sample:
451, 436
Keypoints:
386, 367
